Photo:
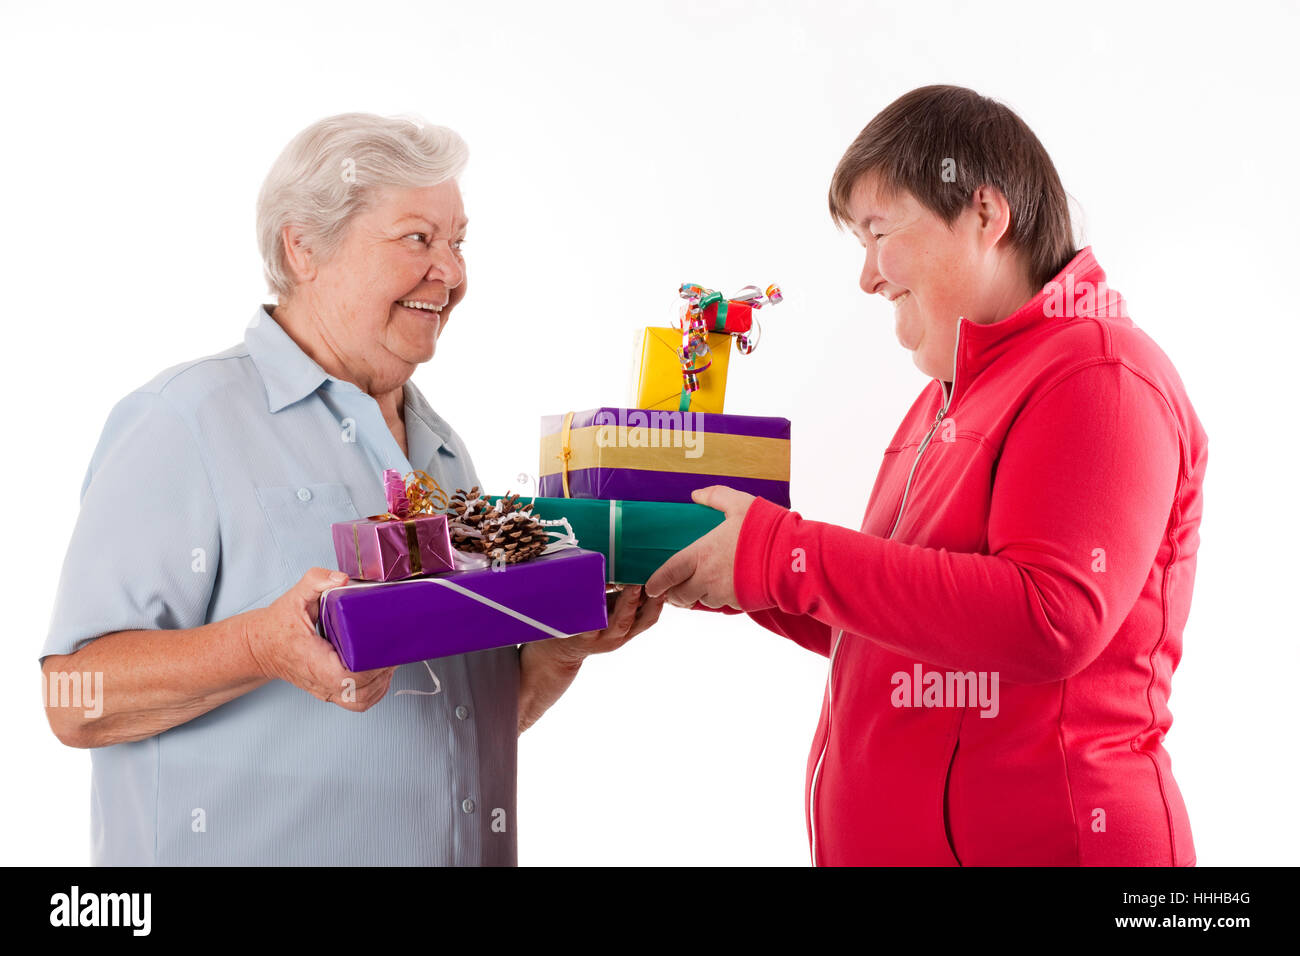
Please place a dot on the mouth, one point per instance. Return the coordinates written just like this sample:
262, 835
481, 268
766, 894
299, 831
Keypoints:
424, 309
898, 299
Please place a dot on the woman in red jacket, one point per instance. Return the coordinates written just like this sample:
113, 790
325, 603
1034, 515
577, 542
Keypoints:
1003, 628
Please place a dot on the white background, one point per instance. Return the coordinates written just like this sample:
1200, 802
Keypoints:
616, 152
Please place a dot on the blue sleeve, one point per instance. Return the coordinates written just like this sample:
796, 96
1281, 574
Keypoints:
146, 545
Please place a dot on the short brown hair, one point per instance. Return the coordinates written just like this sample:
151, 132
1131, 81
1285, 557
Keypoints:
934, 130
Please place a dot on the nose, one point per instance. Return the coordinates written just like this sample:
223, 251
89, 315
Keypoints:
446, 266
870, 280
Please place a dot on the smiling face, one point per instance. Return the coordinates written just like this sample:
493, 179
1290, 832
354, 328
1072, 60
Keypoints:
934, 273
383, 297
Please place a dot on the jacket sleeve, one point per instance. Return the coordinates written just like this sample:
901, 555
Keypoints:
1081, 497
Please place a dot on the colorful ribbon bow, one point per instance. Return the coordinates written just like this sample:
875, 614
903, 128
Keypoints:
422, 495
706, 311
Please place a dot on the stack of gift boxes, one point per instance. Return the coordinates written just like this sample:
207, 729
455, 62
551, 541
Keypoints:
617, 480
623, 477
414, 596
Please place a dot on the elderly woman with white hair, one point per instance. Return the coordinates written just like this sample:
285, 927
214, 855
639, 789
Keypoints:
190, 589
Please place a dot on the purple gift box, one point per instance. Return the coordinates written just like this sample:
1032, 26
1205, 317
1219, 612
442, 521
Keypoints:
637, 454
373, 549
383, 624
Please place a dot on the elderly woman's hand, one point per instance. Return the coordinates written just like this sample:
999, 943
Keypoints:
282, 639
630, 613
547, 668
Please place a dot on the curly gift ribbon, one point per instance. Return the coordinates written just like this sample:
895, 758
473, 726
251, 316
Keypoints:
695, 328
421, 495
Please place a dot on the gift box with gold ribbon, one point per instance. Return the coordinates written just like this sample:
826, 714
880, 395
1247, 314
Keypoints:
408, 541
637, 454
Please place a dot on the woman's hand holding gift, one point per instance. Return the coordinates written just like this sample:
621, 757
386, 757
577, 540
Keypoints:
282, 640
703, 572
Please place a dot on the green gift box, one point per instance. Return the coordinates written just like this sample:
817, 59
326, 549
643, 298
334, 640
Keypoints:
635, 537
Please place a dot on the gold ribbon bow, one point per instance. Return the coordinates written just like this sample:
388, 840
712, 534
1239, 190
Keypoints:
424, 496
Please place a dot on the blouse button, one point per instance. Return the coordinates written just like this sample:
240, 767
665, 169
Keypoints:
304, 494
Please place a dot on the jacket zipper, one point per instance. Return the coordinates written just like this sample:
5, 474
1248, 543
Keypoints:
947, 789
830, 676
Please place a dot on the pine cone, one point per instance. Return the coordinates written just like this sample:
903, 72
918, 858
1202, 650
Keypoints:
504, 531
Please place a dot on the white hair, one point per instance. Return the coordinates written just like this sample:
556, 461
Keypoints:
328, 172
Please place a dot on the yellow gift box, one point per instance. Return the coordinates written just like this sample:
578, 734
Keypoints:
659, 385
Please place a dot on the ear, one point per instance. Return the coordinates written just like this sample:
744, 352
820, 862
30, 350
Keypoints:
298, 255
994, 213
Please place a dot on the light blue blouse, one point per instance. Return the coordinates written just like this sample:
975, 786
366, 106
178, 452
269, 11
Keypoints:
211, 491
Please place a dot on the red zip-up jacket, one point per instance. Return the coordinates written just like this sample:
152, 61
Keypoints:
1034, 521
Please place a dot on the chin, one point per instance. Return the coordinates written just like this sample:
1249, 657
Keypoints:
415, 352
928, 366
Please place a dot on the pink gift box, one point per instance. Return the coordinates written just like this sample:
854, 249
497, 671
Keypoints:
373, 549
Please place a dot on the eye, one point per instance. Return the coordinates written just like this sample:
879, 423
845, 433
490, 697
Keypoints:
458, 244
423, 236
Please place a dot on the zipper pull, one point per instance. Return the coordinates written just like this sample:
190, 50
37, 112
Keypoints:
938, 417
